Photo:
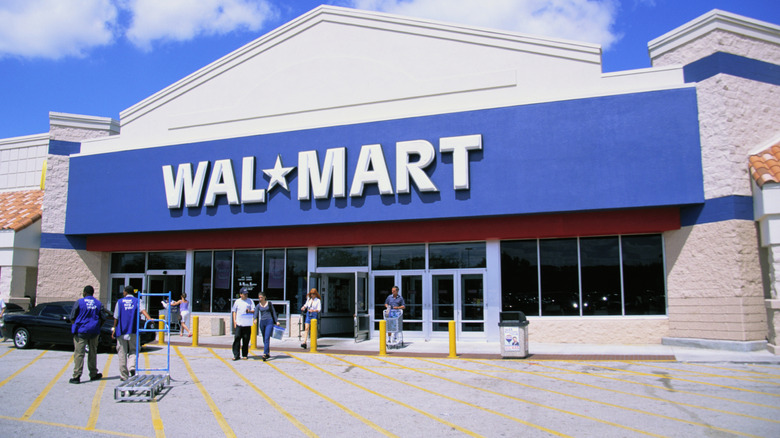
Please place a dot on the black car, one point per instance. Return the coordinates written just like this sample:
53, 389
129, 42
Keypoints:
48, 323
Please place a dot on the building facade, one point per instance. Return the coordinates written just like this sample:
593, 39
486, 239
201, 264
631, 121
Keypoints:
481, 171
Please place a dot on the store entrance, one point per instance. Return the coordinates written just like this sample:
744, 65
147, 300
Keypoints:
160, 283
345, 306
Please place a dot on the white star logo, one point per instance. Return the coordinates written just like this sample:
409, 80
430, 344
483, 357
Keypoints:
278, 174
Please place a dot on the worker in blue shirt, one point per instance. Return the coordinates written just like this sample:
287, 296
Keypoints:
86, 319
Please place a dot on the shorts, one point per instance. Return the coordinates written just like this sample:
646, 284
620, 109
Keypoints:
184, 315
312, 315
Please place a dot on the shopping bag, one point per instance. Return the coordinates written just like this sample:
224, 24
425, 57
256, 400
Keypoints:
278, 332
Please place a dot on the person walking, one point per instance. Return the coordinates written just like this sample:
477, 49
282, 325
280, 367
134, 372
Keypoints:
265, 316
86, 319
184, 313
243, 310
312, 308
125, 330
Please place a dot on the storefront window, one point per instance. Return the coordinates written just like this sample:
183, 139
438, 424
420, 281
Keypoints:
297, 273
643, 275
342, 256
223, 267
201, 282
519, 277
128, 263
560, 277
600, 265
398, 257
583, 277
247, 269
457, 255
167, 260
273, 281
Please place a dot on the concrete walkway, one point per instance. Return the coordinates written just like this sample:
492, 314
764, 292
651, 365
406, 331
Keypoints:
482, 349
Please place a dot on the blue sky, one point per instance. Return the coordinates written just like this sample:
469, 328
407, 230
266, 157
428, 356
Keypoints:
99, 57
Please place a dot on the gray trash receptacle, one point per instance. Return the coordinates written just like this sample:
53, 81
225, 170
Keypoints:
513, 332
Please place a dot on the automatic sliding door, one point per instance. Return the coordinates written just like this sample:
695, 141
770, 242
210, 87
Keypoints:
412, 292
443, 291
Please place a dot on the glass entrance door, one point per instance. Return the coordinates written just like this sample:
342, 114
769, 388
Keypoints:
341, 298
457, 296
118, 283
362, 314
410, 287
160, 284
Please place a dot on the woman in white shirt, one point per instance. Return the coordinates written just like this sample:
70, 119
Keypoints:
313, 307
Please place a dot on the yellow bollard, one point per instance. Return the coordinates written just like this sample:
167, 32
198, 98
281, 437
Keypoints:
313, 335
453, 353
383, 337
161, 338
253, 343
195, 327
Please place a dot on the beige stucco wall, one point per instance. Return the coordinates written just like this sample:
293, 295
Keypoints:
714, 283
63, 273
598, 330
719, 41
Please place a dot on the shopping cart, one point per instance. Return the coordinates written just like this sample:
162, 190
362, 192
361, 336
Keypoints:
395, 327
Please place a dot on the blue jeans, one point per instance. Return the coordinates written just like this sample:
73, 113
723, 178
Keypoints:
266, 329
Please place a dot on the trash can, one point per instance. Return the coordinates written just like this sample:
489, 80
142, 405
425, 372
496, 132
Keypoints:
513, 330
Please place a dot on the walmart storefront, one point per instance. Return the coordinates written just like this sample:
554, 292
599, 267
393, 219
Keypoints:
528, 181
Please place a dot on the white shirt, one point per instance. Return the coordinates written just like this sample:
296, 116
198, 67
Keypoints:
313, 305
244, 310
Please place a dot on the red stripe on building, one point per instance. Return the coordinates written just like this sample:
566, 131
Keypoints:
451, 230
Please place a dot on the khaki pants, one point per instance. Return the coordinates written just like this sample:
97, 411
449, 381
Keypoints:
125, 349
79, 346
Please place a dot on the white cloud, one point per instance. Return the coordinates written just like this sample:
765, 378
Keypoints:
181, 20
55, 28
580, 20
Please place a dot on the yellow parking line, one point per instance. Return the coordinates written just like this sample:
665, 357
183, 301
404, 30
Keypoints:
19, 371
536, 426
577, 397
38, 400
655, 376
154, 410
649, 385
617, 391
93, 415
7, 352
419, 411
720, 376
363, 419
70, 426
553, 408
306, 431
213, 406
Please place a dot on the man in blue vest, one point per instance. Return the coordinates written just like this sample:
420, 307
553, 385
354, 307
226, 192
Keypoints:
125, 330
86, 319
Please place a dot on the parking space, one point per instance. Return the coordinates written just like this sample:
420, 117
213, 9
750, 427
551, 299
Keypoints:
326, 394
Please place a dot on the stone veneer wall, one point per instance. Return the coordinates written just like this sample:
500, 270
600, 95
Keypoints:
714, 282
63, 273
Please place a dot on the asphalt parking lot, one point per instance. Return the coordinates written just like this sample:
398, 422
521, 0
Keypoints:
325, 394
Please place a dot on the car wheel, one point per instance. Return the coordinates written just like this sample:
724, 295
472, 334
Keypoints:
22, 338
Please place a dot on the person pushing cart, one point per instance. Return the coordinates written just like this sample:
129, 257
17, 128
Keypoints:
394, 310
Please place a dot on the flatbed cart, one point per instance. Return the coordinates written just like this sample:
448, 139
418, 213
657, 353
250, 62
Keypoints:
394, 319
146, 387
